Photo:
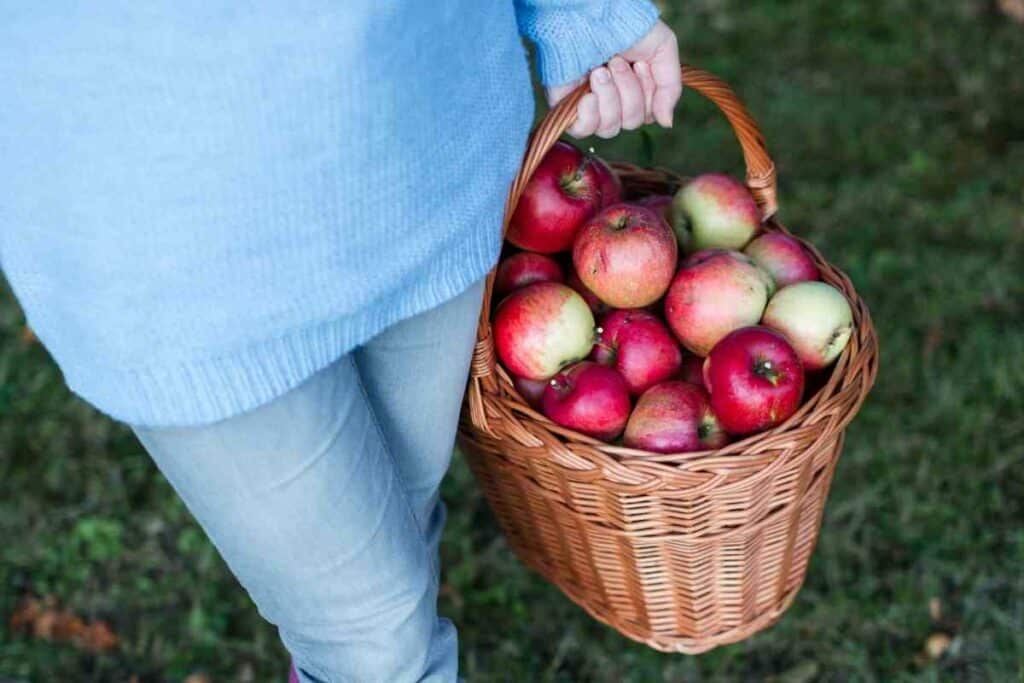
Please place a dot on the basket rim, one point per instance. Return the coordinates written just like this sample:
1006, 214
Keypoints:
625, 452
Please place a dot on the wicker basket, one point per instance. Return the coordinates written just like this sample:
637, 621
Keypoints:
682, 552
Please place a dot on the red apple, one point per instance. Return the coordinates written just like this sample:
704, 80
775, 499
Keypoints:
783, 257
816, 319
663, 204
674, 417
531, 390
597, 306
692, 369
720, 292
611, 186
755, 378
589, 398
563, 192
718, 211
639, 346
626, 255
704, 254
541, 328
525, 268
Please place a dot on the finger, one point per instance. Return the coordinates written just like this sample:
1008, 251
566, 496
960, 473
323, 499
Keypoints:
557, 93
643, 74
667, 81
607, 102
631, 96
587, 117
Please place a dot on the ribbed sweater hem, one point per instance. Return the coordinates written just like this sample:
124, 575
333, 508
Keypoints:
207, 390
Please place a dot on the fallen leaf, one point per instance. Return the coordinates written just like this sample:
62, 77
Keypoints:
1014, 9
46, 625
28, 336
25, 614
936, 645
44, 621
97, 637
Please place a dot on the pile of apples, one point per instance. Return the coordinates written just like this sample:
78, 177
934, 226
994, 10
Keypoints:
705, 324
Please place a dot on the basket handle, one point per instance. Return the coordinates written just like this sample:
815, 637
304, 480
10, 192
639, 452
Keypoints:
760, 169
760, 172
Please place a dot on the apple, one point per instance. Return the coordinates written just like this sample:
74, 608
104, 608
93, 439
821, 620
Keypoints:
597, 306
531, 390
611, 186
562, 193
674, 417
692, 369
783, 257
816, 319
704, 254
525, 268
541, 328
626, 255
717, 211
589, 398
664, 204
708, 299
755, 378
639, 346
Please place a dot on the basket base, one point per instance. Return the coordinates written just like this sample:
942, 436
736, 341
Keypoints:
571, 551
686, 646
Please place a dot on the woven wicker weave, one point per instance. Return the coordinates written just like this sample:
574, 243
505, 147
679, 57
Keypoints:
682, 552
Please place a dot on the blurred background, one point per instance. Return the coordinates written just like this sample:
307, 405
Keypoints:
898, 130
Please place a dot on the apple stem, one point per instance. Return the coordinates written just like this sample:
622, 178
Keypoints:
571, 183
763, 368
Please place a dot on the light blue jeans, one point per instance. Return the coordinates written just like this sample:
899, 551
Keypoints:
325, 504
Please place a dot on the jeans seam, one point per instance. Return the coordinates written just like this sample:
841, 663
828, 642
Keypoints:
397, 473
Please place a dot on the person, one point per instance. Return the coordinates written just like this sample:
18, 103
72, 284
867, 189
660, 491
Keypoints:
258, 236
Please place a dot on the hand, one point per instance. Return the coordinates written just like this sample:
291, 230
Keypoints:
640, 85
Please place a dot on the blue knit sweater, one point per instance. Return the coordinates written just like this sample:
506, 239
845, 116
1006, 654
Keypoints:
203, 202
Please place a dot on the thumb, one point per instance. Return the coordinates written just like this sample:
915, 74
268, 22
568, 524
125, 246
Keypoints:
557, 93
668, 84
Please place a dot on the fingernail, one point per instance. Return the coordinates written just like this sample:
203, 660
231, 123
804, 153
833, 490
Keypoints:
602, 76
619, 64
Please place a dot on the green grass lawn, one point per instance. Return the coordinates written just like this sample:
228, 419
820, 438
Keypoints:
898, 132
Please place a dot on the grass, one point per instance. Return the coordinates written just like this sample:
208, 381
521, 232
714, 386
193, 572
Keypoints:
899, 139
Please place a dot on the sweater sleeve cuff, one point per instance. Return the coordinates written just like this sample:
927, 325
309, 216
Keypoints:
571, 42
